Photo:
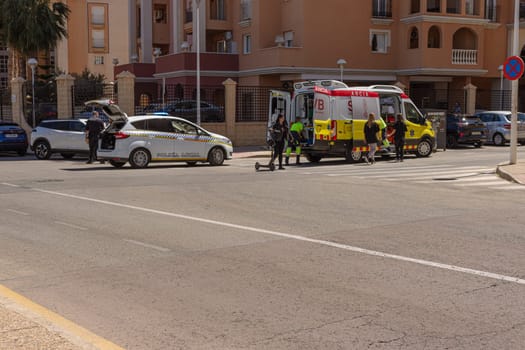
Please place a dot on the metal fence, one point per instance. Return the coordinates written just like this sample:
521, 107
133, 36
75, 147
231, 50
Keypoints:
252, 103
181, 100
5, 105
493, 99
84, 91
443, 99
44, 102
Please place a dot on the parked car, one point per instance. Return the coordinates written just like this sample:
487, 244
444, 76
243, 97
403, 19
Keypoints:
187, 109
499, 123
12, 138
140, 140
465, 129
64, 136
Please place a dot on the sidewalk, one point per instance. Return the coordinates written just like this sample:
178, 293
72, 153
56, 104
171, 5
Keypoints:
251, 152
25, 325
514, 172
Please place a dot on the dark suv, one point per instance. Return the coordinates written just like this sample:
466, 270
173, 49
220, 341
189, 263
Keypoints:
465, 129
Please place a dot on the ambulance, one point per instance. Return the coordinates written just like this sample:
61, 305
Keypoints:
334, 116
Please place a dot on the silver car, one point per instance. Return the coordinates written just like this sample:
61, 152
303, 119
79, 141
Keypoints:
499, 124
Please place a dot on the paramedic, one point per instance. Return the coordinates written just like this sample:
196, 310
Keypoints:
295, 139
279, 132
371, 129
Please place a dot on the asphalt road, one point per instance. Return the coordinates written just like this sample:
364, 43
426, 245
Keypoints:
425, 254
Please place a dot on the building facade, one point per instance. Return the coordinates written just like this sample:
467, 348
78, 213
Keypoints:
432, 48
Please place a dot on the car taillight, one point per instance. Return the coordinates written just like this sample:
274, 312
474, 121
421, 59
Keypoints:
461, 134
120, 135
507, 126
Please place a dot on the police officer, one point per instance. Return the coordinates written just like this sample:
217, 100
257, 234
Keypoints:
94, 127
296, 133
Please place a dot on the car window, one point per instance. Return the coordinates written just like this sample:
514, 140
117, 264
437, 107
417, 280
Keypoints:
162, 125
57, 125
183, 127
486, 117
76, 126
139, 124
412, 114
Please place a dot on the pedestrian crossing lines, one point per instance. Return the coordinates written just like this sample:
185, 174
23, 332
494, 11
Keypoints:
449, 174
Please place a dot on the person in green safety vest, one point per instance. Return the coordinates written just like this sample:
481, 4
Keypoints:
295, 139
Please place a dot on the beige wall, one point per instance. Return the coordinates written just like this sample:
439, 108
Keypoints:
77, 57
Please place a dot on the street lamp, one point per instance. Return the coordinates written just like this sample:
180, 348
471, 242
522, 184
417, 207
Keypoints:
341, 63
500, 68
197, 3
32, 62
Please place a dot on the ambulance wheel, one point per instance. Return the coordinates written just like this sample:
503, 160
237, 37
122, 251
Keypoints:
313, 158
424, 148
257, 165
352, 156
272, 167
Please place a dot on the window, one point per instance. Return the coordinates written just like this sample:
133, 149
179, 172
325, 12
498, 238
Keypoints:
246, 10
162, 125
380, 40
434, 37
247, 44
453, 6
472, 7
99, 60
433, 5
159, 13
414, 38
217, 10
490, 10
97, 27
413, 114
381, 8
288, 39
414, 6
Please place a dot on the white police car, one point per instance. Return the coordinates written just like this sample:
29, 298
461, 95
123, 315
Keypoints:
140, 140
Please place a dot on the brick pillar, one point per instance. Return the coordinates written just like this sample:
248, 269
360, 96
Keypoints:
470, 103
126, 92
64, 96
230, 95
17, 103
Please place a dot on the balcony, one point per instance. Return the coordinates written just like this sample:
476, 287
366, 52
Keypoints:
461, 56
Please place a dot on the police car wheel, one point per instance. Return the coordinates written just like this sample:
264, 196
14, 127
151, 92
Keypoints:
139, 158
424, 148
216, 156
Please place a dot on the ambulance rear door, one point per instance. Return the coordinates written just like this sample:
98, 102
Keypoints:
279, 104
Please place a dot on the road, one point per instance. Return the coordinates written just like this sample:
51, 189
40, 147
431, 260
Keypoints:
425, 254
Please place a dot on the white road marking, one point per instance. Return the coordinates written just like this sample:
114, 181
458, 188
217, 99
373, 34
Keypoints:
18, 212
160, 249
10, 185
465, 270
71, 225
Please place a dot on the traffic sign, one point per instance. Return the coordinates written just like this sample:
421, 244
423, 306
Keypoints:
513, 67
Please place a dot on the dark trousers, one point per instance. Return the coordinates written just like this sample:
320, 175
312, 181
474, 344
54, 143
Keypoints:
400, 152
278, 151
93, 147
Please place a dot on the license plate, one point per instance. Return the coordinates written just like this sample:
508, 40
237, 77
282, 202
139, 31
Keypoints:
476, 133
11, 135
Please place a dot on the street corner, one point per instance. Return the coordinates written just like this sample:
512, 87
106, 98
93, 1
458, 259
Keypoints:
512, 172
25, 324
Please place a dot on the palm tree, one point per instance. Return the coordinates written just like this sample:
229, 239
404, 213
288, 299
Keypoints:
30, 27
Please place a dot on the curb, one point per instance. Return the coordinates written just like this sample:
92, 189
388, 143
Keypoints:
504, 174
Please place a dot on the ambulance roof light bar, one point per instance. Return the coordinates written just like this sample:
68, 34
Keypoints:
329, 84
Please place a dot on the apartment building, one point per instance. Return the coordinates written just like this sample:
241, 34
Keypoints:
432, 48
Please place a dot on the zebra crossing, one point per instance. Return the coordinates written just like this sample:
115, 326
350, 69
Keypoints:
449, 174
